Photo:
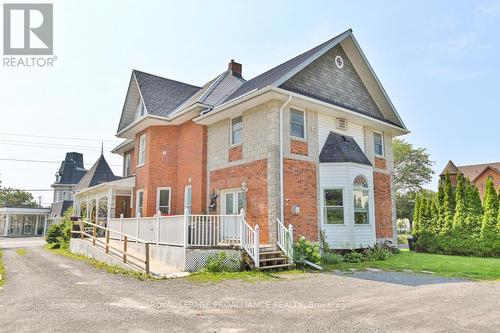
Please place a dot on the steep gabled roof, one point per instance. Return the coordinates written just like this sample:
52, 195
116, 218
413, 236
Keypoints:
98, 174
162, 96
275, 75
451, 168
342, 148
474, 170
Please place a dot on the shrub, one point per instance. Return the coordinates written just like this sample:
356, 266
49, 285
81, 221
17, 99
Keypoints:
353, 257
59, 234
377, 252
220, 262
54, 233
305, 250
331, 258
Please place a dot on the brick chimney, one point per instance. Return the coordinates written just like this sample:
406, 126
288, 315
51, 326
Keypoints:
234, 67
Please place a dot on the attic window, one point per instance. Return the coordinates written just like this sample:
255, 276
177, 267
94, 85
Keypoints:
140, 109
339, 61
342, 124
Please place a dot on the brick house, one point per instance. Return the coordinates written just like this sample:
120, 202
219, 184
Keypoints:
309, 142
478, 174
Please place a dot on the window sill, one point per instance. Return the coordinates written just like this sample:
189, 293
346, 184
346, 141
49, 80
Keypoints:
140, 165
379, 156
234, 145
298, 138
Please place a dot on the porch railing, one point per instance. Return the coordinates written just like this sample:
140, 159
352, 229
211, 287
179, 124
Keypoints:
285, 239
250, 241
109, 248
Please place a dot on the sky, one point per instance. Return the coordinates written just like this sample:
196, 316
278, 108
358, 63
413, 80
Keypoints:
438, 62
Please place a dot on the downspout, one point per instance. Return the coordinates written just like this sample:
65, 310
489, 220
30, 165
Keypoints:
282, 193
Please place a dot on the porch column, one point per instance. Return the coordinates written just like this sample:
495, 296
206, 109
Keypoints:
45, 225
36, 224
88, 210
110, 197
7, 226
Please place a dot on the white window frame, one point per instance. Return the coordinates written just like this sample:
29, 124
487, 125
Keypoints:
137, 212
235, 192
140, 110
305, 123
190, 206
383, 143
141, 156
127, 164
158, 189
232, 143
325, 206
359, 188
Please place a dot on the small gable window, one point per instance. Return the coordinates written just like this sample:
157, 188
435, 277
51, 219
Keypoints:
140, 109
334, 206
360, 197
236, 130
378, 143
142, 150
297, 124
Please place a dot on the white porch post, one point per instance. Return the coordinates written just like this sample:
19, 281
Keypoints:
7, 226
186, 227
45, 226
88, 210
110, 197
158, 228
36, 224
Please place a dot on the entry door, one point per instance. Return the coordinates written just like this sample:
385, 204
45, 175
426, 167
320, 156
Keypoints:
231, 204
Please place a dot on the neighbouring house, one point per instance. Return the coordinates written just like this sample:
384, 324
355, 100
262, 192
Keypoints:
308, 143
69, 174
23, 221
478, 174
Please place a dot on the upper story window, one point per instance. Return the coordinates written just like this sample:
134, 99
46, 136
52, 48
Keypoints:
140, 109
378, 143
236, 130
297, 124
334, 206
360, 197
127, 165
142, 150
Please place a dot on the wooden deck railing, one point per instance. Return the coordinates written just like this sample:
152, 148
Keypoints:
108, 247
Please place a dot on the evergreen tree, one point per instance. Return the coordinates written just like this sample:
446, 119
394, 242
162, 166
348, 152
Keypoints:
448, 205
439, 219
416, 218
474, 218
423, 217
490, 205
460, 205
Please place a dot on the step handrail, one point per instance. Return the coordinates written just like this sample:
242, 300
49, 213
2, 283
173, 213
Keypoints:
285, 239
250, 240
108, 246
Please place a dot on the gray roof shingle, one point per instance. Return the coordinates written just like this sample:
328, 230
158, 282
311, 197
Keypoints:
98, 174
162, 96
71, 169
342, 148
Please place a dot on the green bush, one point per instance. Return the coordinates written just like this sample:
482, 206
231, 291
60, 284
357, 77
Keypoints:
377, 252
59, 234
220, 262
353, 257
331, 258
54, 233
304, 250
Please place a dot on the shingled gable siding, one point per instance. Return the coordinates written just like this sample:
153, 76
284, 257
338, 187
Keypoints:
172, 160
341, 86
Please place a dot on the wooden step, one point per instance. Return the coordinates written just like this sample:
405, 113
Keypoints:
275, 266
273, 259
275, 253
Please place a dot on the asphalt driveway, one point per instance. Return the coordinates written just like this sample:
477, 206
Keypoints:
47, 292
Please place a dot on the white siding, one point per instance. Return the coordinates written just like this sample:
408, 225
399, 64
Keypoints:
327, 124
348, 235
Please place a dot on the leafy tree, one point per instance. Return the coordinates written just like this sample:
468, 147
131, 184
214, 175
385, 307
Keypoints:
460, 204
412, 167
10, 197
490, 204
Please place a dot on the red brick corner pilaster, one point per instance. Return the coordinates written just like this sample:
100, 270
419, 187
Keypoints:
383, 205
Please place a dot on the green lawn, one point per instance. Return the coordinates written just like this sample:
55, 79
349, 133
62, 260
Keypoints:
2, 271
451, 266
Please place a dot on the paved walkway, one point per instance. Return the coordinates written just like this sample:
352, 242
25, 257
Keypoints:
47, 292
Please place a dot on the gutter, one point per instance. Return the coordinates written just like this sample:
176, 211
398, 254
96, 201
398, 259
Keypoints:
282, 193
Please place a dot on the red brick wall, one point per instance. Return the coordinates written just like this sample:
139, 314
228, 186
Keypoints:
383, 205
235, 153
480, 182
299, 147
380, 163
173, 155
255, 175
301, 189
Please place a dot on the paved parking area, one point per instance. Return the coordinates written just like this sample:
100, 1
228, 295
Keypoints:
47, 292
